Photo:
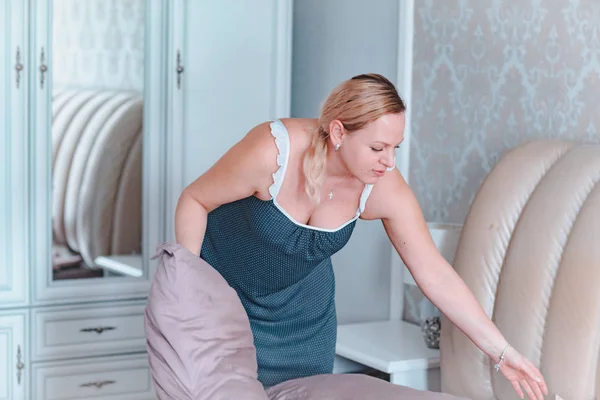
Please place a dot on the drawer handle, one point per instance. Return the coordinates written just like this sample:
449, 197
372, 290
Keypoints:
97, 384
99, 329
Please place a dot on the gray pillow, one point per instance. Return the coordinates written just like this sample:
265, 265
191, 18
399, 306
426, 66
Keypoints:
348, 387
198, 335
200, 345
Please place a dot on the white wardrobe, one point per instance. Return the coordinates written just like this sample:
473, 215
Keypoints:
109, 108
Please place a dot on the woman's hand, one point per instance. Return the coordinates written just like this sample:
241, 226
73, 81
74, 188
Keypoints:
523, 375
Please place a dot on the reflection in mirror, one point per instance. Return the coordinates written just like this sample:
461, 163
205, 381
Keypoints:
97, 113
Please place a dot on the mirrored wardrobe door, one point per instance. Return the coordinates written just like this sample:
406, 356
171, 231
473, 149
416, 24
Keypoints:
92, 145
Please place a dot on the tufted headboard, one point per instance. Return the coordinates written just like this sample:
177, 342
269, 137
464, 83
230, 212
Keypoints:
530, 252
97, 171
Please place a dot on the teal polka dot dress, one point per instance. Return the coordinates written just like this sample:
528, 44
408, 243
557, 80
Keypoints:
282, 272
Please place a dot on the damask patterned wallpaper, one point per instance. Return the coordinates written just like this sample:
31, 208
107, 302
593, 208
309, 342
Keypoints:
489, 75
98, 43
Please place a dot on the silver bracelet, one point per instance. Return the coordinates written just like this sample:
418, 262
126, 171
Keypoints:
497, 365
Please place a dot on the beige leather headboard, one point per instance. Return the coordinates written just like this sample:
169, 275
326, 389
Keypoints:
97, 171
530, 252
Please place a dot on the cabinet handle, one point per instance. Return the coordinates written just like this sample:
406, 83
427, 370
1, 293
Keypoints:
20, 365
99, 329
98, 384
179, 69
18, 66
43, 68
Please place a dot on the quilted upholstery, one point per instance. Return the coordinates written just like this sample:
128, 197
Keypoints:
97, 171
530, 252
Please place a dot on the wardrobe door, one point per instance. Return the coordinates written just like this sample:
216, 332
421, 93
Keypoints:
97, 101
14, 69
230, 63
14, 351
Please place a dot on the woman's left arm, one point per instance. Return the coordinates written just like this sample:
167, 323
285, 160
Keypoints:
393, 202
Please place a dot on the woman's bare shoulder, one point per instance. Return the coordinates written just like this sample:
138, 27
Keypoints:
259, 142
245, 169
259, 150
301, 132
389, 195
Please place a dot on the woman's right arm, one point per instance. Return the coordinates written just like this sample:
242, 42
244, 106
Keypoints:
242, 171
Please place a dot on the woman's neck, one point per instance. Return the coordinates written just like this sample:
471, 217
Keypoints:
335, 168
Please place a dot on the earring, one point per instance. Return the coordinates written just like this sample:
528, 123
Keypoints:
337, 147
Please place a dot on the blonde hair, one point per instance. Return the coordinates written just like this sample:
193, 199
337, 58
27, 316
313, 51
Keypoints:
355, 102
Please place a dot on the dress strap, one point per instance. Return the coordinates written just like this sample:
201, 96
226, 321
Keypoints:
282, 140
363, 198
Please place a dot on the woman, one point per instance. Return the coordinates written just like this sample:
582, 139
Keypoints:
270, 213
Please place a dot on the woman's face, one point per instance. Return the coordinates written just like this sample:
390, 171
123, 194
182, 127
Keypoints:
369, 151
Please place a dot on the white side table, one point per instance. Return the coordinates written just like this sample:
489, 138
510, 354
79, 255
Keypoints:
125, 264
393, 347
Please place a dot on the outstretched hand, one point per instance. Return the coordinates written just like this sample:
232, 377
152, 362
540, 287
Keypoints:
523, 375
